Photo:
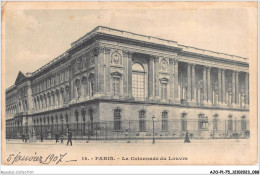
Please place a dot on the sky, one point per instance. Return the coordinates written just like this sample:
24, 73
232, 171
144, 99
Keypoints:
34, 37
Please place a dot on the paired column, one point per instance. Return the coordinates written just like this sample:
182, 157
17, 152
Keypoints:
171, 65
237, 89
151, 77
130, 58
193, 79
205, 97
233, 101
176, 81
219, 87
246, 90
223, 87
209, 86
188, 83
156, 65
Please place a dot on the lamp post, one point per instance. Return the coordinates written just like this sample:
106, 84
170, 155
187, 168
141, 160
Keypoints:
153, 118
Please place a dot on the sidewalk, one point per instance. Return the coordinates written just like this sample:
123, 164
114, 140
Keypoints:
139, 142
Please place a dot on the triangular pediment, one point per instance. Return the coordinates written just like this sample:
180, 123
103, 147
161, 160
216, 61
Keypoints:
20, 78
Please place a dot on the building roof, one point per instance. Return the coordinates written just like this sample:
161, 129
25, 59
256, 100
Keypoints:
138, 37
155, 40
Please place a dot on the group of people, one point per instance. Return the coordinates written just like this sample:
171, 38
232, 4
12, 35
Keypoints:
61, 137
25, 137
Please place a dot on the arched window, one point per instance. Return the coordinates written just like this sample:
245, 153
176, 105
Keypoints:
91, 119
142, 122
183, 122
138, 81
77, 119
243, 123
117, 119
165, 121
85, 85
230, 123
202, 121
78, 86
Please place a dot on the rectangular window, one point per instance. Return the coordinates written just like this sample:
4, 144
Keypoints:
138, 85
230, 125
116, 86
183, 124
164, 121
215, 124
164, 90
117, 120
243, 125
142, 122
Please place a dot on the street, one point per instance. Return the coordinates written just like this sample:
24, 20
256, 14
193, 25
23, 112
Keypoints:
164, 152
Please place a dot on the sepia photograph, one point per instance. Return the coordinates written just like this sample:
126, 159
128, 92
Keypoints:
129, 83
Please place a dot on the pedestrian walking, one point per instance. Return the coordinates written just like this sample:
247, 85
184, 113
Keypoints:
61, 138
41, 137
69, 138
187, 140
23, 137
57, 137
26, 138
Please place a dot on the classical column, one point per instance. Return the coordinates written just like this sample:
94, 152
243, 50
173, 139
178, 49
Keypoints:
156, 65
130, 58
209, 86
101, 62
246, 89
171, 65
205, 85
188, 83
223, 87
125, 73
82, 93
151, 77
49, 98
237, 89
57, 98
193, 87
176, 81
219, 87
108, 62
61, 98
233, 101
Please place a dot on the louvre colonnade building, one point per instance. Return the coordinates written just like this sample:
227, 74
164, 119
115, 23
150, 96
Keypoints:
113, 82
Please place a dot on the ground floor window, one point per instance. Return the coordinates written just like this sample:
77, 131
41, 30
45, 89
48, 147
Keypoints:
164, 121
230, 123
117, 119
202, 122
243, 124
183, 122
142, 122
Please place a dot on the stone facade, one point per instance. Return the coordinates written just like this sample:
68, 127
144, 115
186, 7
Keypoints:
112, 75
